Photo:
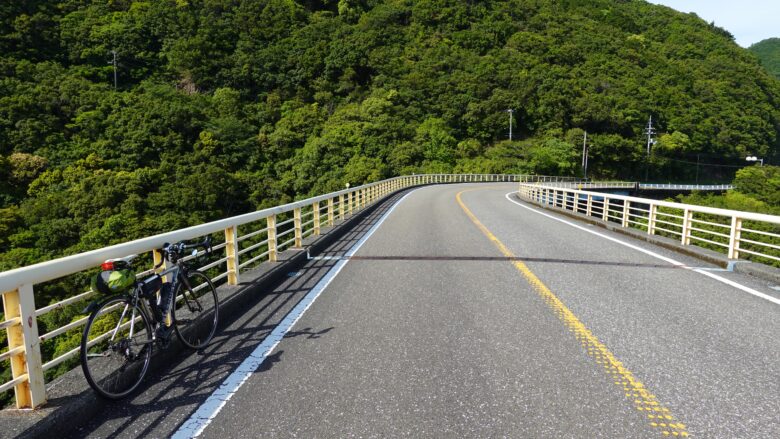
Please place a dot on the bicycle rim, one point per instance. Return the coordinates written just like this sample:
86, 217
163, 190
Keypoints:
116, 348
196, 310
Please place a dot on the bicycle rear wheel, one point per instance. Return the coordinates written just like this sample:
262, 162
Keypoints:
116, 348
196, 309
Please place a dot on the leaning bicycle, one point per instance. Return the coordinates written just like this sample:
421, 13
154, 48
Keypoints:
118, 339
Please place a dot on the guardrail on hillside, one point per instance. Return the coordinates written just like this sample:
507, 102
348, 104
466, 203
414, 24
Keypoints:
735, 233
585, 185
249, 240
593, 184
686, 187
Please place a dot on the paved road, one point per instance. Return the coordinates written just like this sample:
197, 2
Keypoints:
434, 330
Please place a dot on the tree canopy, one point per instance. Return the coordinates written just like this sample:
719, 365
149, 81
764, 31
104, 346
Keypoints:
768, 52
222, 107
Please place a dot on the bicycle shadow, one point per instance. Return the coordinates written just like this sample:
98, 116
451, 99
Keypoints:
180, 382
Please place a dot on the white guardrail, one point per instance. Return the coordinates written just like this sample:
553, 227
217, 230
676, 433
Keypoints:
635, 185
737, 234
249, 240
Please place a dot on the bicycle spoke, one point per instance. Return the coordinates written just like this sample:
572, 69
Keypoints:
195, 316
115, 348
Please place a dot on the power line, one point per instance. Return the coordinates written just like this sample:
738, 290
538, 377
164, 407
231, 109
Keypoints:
701, 164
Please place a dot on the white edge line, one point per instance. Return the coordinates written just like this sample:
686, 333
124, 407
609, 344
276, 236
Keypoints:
209, 409
705, 272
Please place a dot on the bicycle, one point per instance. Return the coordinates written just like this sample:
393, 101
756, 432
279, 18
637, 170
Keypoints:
116, 346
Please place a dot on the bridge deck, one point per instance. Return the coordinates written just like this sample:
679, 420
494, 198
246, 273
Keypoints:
430, 330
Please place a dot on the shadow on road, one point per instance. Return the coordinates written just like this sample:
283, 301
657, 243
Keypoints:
172, 392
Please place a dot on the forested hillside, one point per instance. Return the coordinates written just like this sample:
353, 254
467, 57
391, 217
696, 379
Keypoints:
768, 51
221, 107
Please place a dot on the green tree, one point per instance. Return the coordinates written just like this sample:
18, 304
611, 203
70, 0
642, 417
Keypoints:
768, 51
760, 182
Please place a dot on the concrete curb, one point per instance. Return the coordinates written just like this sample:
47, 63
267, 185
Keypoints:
754, 269
72, 403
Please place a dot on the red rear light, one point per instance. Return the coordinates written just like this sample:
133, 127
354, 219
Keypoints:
107, 266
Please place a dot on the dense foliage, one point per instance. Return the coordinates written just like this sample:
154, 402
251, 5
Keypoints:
768, 51
224, 106
757, 189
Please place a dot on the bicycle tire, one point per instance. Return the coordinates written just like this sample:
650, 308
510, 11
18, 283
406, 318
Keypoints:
196, 309
113, 360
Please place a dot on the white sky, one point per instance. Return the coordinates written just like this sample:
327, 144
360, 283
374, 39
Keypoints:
750, 21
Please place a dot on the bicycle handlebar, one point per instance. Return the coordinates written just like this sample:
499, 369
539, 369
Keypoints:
174, 251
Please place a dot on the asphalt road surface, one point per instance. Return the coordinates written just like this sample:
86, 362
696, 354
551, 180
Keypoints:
503, 322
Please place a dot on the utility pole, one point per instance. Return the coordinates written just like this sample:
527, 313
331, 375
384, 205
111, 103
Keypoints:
649, 131
113, 52
585, 156
511, 113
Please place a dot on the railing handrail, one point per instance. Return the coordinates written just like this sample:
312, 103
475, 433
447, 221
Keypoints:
685, 186
56, 268
17, 286
751, 216
633, 184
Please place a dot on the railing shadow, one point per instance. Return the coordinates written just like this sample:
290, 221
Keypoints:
175, 390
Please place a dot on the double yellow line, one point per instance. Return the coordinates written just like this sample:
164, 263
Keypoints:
658, 415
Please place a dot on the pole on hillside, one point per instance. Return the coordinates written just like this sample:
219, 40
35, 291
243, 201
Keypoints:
113, 52
511, 112
649, 131
585, 156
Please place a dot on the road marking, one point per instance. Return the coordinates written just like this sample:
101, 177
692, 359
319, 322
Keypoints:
207, 411
705, 272
643, 400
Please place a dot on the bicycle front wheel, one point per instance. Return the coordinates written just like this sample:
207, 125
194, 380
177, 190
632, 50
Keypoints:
116, 347
196, 309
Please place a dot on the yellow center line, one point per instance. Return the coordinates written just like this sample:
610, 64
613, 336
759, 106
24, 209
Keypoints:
659, 416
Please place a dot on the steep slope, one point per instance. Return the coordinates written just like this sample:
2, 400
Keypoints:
768, 51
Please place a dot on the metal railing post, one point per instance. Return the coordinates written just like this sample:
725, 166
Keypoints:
231, 253
626, 210
651, 216
605, 213
341, 207
686, 227
31, 391
589, 206
349, 203
331, 213
316, 211
298, 228
734, 236
272, 256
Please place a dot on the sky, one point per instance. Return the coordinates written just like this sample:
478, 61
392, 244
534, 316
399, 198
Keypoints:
750, 21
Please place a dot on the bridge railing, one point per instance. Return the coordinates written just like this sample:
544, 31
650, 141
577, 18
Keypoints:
635, 185
686, 187
244, 242
735, 233
592, 184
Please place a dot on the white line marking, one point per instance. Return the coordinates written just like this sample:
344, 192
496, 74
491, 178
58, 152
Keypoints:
202, 417
705, 272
